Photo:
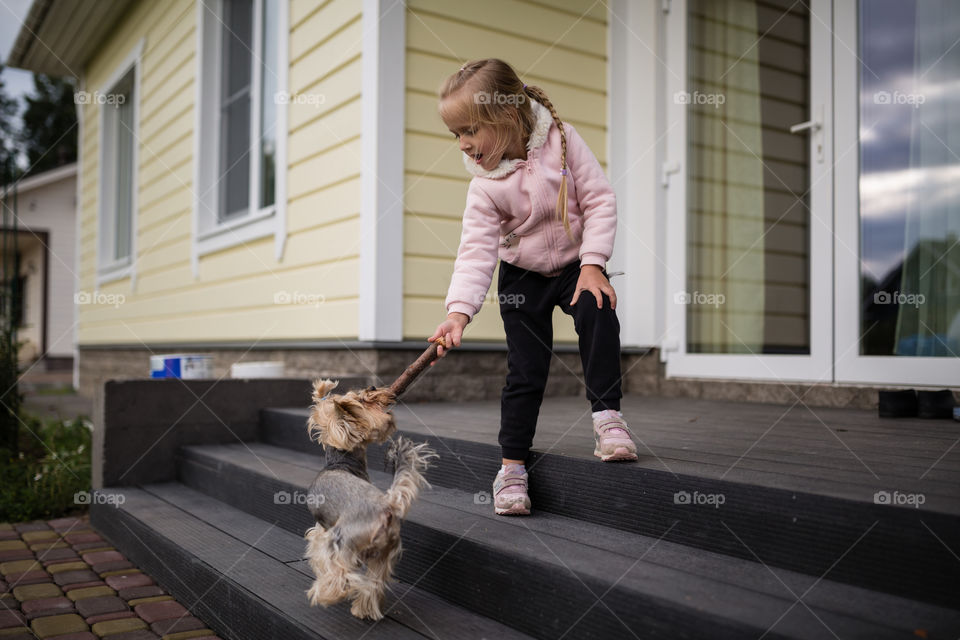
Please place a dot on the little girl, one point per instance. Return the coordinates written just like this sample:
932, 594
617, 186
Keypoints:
539, 201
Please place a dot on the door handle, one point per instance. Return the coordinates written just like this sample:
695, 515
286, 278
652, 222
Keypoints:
815, 127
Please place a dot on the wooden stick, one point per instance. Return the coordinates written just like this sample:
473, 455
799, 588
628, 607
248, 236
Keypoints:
415, 369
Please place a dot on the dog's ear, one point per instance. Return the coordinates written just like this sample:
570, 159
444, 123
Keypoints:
322, 388
325, 411
334, 421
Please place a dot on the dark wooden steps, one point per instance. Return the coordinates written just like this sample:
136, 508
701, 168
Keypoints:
550, 574
815, 526
246, 577
800, 460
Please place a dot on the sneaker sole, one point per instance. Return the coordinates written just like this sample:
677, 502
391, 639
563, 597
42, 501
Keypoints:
516, 509
621, 454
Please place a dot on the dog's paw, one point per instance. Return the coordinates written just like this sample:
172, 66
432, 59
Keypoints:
403, 452
366, 606
323, 594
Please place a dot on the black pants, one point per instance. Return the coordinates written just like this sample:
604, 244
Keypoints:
527, 300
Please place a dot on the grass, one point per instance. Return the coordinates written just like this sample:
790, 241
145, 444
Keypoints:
53, 465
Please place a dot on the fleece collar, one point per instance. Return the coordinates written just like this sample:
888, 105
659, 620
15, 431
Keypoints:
537, 138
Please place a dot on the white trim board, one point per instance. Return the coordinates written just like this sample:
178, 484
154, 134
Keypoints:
634, 118
281, 162
381, 215
78, 216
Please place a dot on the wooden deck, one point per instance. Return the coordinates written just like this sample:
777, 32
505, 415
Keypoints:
845, 453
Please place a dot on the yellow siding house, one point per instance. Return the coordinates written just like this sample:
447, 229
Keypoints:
270, 180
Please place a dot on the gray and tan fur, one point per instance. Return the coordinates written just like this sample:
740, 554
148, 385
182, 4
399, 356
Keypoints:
356, 542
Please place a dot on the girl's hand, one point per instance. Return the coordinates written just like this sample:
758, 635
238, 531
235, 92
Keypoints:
451, 330
592, 279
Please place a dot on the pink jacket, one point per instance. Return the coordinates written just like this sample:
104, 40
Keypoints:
511, 214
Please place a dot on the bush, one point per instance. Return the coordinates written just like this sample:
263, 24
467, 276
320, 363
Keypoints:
53, 464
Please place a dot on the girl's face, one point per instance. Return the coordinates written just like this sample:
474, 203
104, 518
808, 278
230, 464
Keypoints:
479, 142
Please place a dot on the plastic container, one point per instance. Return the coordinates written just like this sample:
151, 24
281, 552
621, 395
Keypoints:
187, 366
274, 369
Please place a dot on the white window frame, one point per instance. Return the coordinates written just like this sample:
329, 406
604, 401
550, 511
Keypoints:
818, 365
852, 367
634, 143
109, 269
209, 234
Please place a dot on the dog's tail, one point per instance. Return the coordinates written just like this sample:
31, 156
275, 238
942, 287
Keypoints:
410, 461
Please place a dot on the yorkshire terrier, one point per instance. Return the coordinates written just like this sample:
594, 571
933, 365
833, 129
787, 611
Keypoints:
356, 542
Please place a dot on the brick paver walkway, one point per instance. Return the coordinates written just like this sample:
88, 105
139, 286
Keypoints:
60, 579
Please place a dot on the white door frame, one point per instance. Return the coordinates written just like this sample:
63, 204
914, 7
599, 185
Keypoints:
851, 367
818, 365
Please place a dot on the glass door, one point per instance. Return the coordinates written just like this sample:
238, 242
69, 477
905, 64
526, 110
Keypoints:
898, 192
749, 190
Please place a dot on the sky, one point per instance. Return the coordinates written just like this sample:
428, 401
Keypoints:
909, 172
12, 14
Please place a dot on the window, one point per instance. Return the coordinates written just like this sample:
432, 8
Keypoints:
748, 217
118, 169
235, 107
241, 125
898, 207
909, 202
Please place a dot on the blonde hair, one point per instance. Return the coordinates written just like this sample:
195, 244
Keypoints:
498, 100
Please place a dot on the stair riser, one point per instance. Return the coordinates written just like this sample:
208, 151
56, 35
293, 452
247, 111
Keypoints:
546, 602
803, 532
233, 612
